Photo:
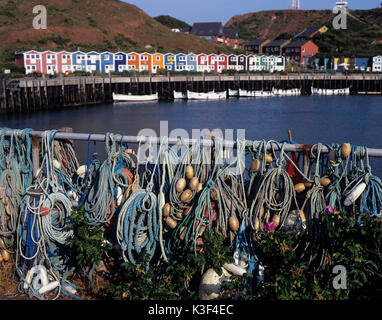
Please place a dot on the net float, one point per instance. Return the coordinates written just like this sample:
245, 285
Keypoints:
56, 164
257, 224
5, 255
81, 171
200, 187
180, 185
325, 181
1, 258
171, 222
268, 158
234, 268
233, 223
308, 184
4, 200
189, 172
119, 196
345, 150
214, 194
187, 211
8, 209
49, 287
194, 183
354, 194
276, 219
255, 165
186, 195
179, 214
166, 210
43, 211
211, 283
299, 187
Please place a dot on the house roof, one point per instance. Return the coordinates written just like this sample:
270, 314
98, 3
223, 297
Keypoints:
207, 29
309, 31
255, 42
231, 33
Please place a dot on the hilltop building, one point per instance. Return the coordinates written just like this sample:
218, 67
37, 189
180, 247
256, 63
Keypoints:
214, 31
256, 45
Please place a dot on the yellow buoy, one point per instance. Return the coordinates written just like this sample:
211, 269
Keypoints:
180, 185
200, 187
255, 165
325, 181
268, 158
276, 219
171, 222
189, 172
308, 184
299, 187
233, 223
166, 210
5, 254
194, 183
345, 150
186, 195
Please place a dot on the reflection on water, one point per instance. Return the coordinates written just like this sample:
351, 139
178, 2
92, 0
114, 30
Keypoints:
355, 119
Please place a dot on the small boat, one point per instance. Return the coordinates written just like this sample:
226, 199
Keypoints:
134, 98
180, 95
233, 93
211, 95
286, 92
330, 92
256, 93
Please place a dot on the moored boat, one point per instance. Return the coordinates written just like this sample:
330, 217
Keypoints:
286, 92
255, 93
211, 95
134, 98
330, 92
233, 93
180, 95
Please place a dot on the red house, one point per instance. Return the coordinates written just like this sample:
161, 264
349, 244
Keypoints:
30, 60
300, 50
49, 62
203, 62
222, 62
64, 62
213, 62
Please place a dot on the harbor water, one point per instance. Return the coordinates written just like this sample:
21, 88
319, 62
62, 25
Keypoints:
312, 119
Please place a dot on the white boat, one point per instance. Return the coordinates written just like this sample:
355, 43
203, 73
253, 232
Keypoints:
233, 93
286, 92
180, 95
330, 92
134, 98
256, 93
211, 95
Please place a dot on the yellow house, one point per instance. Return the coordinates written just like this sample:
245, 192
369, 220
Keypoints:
157, 62
336, 62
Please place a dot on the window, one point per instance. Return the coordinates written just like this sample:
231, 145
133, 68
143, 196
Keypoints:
33, 68
107, 58
192, 58
182, 58
32, 56
28, 67
28, 56
157, 58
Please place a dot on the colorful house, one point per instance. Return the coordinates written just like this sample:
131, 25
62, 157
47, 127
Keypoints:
157, 62
361, 63
120, 62
377, 64
107, 62
222, 62
169, 61
242, 61
133, 61
213, 62
203, 63
180, 62
300, 51
64, 62
93, 63
48, 62
192, 62
78, 61
145, 63
232, 62
30, 60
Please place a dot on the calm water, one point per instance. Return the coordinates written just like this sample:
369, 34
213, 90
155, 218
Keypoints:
357, 119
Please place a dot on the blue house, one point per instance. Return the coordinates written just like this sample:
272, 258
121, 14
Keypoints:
93, 63
107, 62
78, 61
360, 63
120, 62
181, 62
169, 61
192, 62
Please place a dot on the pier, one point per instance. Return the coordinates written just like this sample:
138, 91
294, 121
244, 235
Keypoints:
28, 94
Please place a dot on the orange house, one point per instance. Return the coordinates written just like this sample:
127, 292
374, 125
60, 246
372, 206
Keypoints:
145, 62
157, 62
133, 61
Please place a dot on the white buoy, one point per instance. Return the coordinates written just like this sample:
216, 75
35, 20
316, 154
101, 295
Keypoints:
210, 284
354, 194
81, 171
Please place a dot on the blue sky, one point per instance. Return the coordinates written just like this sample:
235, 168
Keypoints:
222, 10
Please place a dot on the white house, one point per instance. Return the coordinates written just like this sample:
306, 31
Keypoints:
377, 64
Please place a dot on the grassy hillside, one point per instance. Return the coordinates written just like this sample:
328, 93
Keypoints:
363, 36
90, 25
171, 22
